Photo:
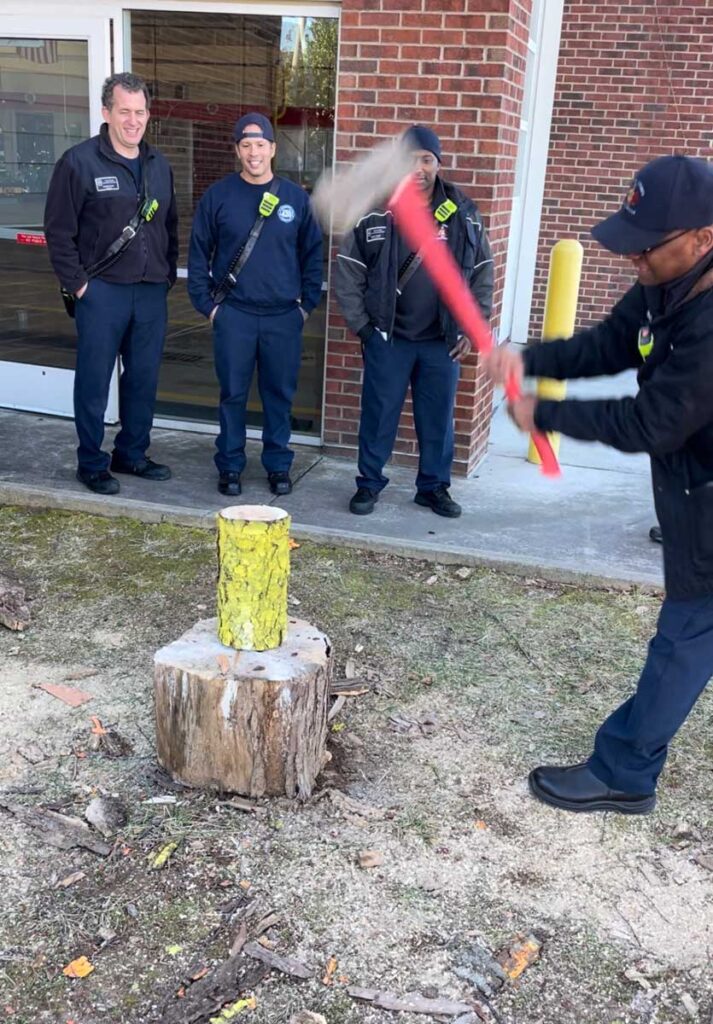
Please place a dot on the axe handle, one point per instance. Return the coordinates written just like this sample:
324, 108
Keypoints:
414, 223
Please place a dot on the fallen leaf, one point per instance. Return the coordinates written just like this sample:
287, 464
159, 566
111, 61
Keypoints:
479, 824
371, 859
519, 956
228, 1012
329, 973
78, 968
173, 950
68, 694
158, 860
97, 728
245, 884
338, 727
223, 663
181, 992
266, 943
292, 544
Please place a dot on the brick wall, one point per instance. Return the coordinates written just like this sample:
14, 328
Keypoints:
457, 65
634, 82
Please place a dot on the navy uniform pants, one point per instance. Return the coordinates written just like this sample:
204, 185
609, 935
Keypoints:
631, 746
243, 341
117, 319
389, 368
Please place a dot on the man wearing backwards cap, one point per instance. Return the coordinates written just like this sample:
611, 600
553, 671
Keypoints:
257, 314
407, 335
664, 327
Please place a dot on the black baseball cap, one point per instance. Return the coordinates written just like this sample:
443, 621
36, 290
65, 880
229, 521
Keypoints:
418, 136
672, 193
259, 121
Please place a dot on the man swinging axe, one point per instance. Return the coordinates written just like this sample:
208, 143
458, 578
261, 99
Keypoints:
663, 326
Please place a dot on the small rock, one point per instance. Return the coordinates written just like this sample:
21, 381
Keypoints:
371, 859
431, 580
32, 752
464, 572
685, 831
106, 814
132, 910
308, 1017
704, 860
631, 974
690, 1005
358, 648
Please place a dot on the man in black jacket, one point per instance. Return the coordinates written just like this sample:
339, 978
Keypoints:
407, 335
110, 186
664, 327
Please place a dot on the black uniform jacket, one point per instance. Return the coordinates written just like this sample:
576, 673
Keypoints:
367, 269
671, 416
92, 196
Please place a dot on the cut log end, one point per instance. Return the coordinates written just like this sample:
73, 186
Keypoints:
253, 513
245, 722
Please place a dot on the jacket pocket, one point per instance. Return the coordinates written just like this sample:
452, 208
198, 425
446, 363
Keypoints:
700, 506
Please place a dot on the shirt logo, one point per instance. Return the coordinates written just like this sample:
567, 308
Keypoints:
108, 184
286, 213
377, 234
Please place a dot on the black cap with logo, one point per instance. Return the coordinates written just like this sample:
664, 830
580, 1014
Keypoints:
672, 193
259, 121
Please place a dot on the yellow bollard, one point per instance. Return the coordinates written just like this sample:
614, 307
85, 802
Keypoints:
560, 313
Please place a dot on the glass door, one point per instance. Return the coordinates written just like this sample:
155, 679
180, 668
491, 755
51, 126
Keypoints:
204, 70
51, 71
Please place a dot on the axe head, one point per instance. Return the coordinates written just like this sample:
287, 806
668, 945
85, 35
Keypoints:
340, 198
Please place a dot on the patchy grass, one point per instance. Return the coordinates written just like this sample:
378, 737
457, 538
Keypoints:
512, 671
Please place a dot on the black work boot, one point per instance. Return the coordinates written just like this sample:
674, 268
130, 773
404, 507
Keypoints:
229, 483
101, 481
279, 483
145, 468
575, 788
363, 501
655, 535
440, 501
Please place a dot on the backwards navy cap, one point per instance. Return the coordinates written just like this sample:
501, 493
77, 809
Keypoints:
418, 136
260, 122
672, 193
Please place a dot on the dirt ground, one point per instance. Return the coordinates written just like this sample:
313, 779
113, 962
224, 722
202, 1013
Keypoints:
473, 679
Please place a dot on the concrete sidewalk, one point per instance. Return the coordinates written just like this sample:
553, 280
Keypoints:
594, 521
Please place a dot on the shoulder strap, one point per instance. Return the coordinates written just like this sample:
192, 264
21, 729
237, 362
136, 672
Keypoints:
144, 212
267, 206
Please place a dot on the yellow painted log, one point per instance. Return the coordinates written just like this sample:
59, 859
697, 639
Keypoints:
560, 315
253, 569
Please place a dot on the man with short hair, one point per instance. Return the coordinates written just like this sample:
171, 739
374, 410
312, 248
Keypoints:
663, 326
255, 270
407, 334
112, 234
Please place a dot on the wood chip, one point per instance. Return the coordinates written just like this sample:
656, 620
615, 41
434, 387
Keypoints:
239, 940
284, 964
14, 613
336, 707
81, 673
240, 803
68, 694
411, 1002
371, 859
464, 572
58, 830
76, 876
266, 923
350, 669
350, 806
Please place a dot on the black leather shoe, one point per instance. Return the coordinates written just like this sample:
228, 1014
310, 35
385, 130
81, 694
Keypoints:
147, 469
229, 483
440, 501
655, 535
575, 788
363, 501
101, 482
279, 483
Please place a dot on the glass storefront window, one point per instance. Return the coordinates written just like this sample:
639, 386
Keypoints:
204, 71
44, 109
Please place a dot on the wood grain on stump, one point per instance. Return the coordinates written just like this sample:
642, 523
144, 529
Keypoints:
242, 721
253, 568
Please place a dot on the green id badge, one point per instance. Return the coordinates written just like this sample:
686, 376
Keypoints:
149, 209
445, 211
268, 204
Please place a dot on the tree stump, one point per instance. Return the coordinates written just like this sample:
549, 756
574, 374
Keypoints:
253, 567
247, 722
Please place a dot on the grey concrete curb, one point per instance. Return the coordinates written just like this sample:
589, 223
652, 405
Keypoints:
153, 512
